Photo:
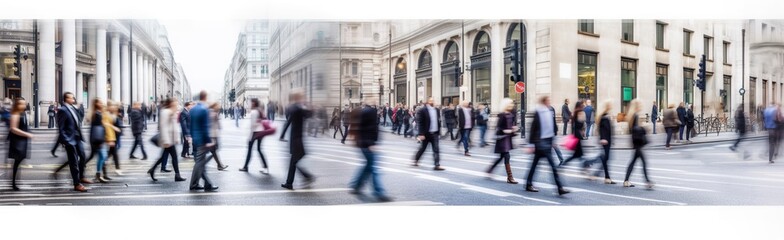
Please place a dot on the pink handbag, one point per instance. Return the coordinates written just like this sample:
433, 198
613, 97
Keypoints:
570, 142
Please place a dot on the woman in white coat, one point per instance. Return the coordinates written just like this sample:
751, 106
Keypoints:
256, 116
169, 137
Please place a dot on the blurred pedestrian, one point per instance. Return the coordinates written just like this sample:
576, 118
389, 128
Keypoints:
671, 123
639, 140
543, 131
51, 113
505, 131
144, 114
566, 115
407, 122
689, 122
185, 125
113, 112
297, 115
740, 126
578, 130
606, 140
772, 117
137, 120
69, 133
19, 137
401, 115
102, 135
429, 121
589, 117
168, 137
450, 119
335, 123
237, 115
256, 126
344, 117
365, 131
393, 117
215, 128
682, 118
271, 111
654, 115
482, 115
465, 123
200, 134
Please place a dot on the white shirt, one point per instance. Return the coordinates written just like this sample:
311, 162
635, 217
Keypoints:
546, 122
467, 117
433, 118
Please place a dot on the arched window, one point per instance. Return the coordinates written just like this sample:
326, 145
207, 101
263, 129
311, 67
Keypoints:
481, 43
425, 60
451, 53
400, 67
515, 33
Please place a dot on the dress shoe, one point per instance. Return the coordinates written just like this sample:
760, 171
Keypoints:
531, 188
179, 179
16, 188
144, 158
165, 170
511, 180
210, 188
224, 167
287, 186
107, 177
466, 154
439, 168
562, 191
53, 155
85, 180
152, 175
195, 188
80, 188
608, 181
627, 184
384, 199
243, 169
132, 157
100, 178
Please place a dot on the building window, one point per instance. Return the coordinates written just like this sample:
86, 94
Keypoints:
253, 70
725, 99
253, 53
586, 25
707, 43
688, 85
660, 35
628, 82
627, 29
661, 85
726, 52
687, 42
354, 68
753, 94
482, 43
586, 75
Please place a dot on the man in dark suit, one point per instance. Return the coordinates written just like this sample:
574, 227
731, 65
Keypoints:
365, 130
200, 133
345, 118
297, 115
185, 125
137, 122
543, 131
429, 125
465, 123
51, 113
449, 120
70, 135
565, 115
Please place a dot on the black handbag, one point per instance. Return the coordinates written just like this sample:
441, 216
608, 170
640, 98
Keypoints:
638, 134
97, 134
155, 139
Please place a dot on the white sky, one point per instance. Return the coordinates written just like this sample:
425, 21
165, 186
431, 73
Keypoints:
203, 47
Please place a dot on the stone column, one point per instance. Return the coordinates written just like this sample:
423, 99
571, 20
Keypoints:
115, 68
126, 75
100, 62
79, 35
69, 55
78, 94
91, 91
46, 68
145, 78
139, 76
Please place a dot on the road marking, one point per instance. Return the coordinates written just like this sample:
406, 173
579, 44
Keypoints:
402, 203
178, 195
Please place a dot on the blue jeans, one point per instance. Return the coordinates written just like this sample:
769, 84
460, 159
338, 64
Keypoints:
237, 120
588, 129
482, 131
654, 125
682, 127
369, 171
102, 155
465, 135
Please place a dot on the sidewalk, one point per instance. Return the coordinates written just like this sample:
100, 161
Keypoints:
620, 142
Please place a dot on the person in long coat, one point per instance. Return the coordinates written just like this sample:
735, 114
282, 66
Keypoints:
506, 129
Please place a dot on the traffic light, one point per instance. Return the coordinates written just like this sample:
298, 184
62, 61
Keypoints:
701, 74
457, 77
18, 60
515, 62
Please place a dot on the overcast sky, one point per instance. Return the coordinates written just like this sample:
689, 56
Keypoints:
203, 48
